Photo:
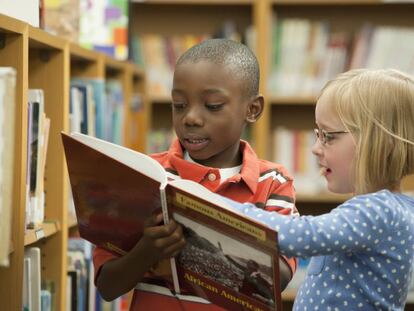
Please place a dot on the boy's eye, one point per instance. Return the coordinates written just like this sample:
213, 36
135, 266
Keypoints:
178, 105
214, 107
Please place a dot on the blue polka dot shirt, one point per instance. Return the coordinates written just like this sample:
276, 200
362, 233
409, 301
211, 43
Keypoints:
362, 252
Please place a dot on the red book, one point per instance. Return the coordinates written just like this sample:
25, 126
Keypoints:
230, 259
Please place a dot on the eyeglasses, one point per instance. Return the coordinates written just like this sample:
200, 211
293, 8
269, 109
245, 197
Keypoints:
325, 136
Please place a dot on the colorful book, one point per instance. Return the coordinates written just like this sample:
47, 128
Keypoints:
115, 189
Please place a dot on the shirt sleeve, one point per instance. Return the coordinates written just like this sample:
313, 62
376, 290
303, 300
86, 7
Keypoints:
100, 257
358, 224
282, 198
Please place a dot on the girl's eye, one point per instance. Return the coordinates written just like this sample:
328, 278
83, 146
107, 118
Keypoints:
329, 137
214, 107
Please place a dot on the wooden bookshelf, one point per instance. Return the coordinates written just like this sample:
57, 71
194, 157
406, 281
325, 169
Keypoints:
48, 62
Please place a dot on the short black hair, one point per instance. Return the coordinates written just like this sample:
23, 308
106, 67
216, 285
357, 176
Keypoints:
232, 54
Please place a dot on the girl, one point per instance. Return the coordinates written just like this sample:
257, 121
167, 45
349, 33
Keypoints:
362, 251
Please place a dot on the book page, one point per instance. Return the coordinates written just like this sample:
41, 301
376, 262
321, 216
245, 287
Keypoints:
202, 192
134, 159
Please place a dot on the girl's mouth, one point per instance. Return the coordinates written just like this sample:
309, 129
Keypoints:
324, 171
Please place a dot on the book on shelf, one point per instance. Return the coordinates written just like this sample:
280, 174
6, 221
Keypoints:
32, 279
38, 137
115, 189
7, 156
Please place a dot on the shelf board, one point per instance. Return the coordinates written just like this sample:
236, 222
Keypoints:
196, 2
331, 2
9, 24
114, 65
137, 71
322, 197
72, 222
40, 39
162, 99
46, 229
80, 53
292, 100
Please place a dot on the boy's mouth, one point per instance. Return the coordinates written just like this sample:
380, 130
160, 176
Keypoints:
195, 144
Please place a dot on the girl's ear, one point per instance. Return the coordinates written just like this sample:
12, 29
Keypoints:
255, 109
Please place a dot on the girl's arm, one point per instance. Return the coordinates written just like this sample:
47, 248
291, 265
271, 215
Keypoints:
354, 225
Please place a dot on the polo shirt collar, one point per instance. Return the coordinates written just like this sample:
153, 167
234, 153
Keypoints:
249, 173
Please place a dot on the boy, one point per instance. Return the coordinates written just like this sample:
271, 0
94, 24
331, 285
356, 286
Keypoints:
214, 96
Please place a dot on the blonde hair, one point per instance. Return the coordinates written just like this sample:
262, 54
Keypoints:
377, 107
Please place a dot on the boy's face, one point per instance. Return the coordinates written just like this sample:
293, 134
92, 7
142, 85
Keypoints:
210, 111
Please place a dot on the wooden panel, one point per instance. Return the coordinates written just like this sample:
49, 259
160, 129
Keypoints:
14, 53
85, 63
197, 2
49, 57
186, 19
262, 23
45, 230
137, 120
351, 17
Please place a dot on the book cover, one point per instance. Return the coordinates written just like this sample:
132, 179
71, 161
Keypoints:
229, 259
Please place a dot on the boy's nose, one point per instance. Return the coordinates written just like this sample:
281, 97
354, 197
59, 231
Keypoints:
193, 117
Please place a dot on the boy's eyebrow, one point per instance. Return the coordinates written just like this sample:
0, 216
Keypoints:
208, 91
215, 90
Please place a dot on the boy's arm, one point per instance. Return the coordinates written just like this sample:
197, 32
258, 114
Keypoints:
118, 276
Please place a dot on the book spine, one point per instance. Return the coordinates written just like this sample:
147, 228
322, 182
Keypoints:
172, 259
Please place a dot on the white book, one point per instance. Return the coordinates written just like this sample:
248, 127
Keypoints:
33, 253
7, 141
27, 292
36, 98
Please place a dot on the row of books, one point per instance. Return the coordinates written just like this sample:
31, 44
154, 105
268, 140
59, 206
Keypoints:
38, 126
81, 293
7, 158
158, 54
305, 54
292, 149
38, 294
97, 108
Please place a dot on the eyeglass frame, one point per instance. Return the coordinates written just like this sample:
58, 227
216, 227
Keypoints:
326, 135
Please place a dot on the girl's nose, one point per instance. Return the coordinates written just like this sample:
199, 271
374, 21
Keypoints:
317, 148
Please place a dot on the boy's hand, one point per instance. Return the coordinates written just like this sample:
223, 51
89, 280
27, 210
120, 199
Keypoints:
120, 275
160, 241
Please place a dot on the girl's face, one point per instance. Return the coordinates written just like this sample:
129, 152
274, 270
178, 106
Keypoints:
336, 153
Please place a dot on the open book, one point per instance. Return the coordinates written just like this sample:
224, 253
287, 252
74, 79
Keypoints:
229, 259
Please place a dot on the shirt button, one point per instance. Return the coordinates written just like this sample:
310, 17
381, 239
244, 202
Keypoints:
211, 177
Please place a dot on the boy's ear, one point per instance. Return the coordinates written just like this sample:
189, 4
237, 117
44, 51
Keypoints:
255, 109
